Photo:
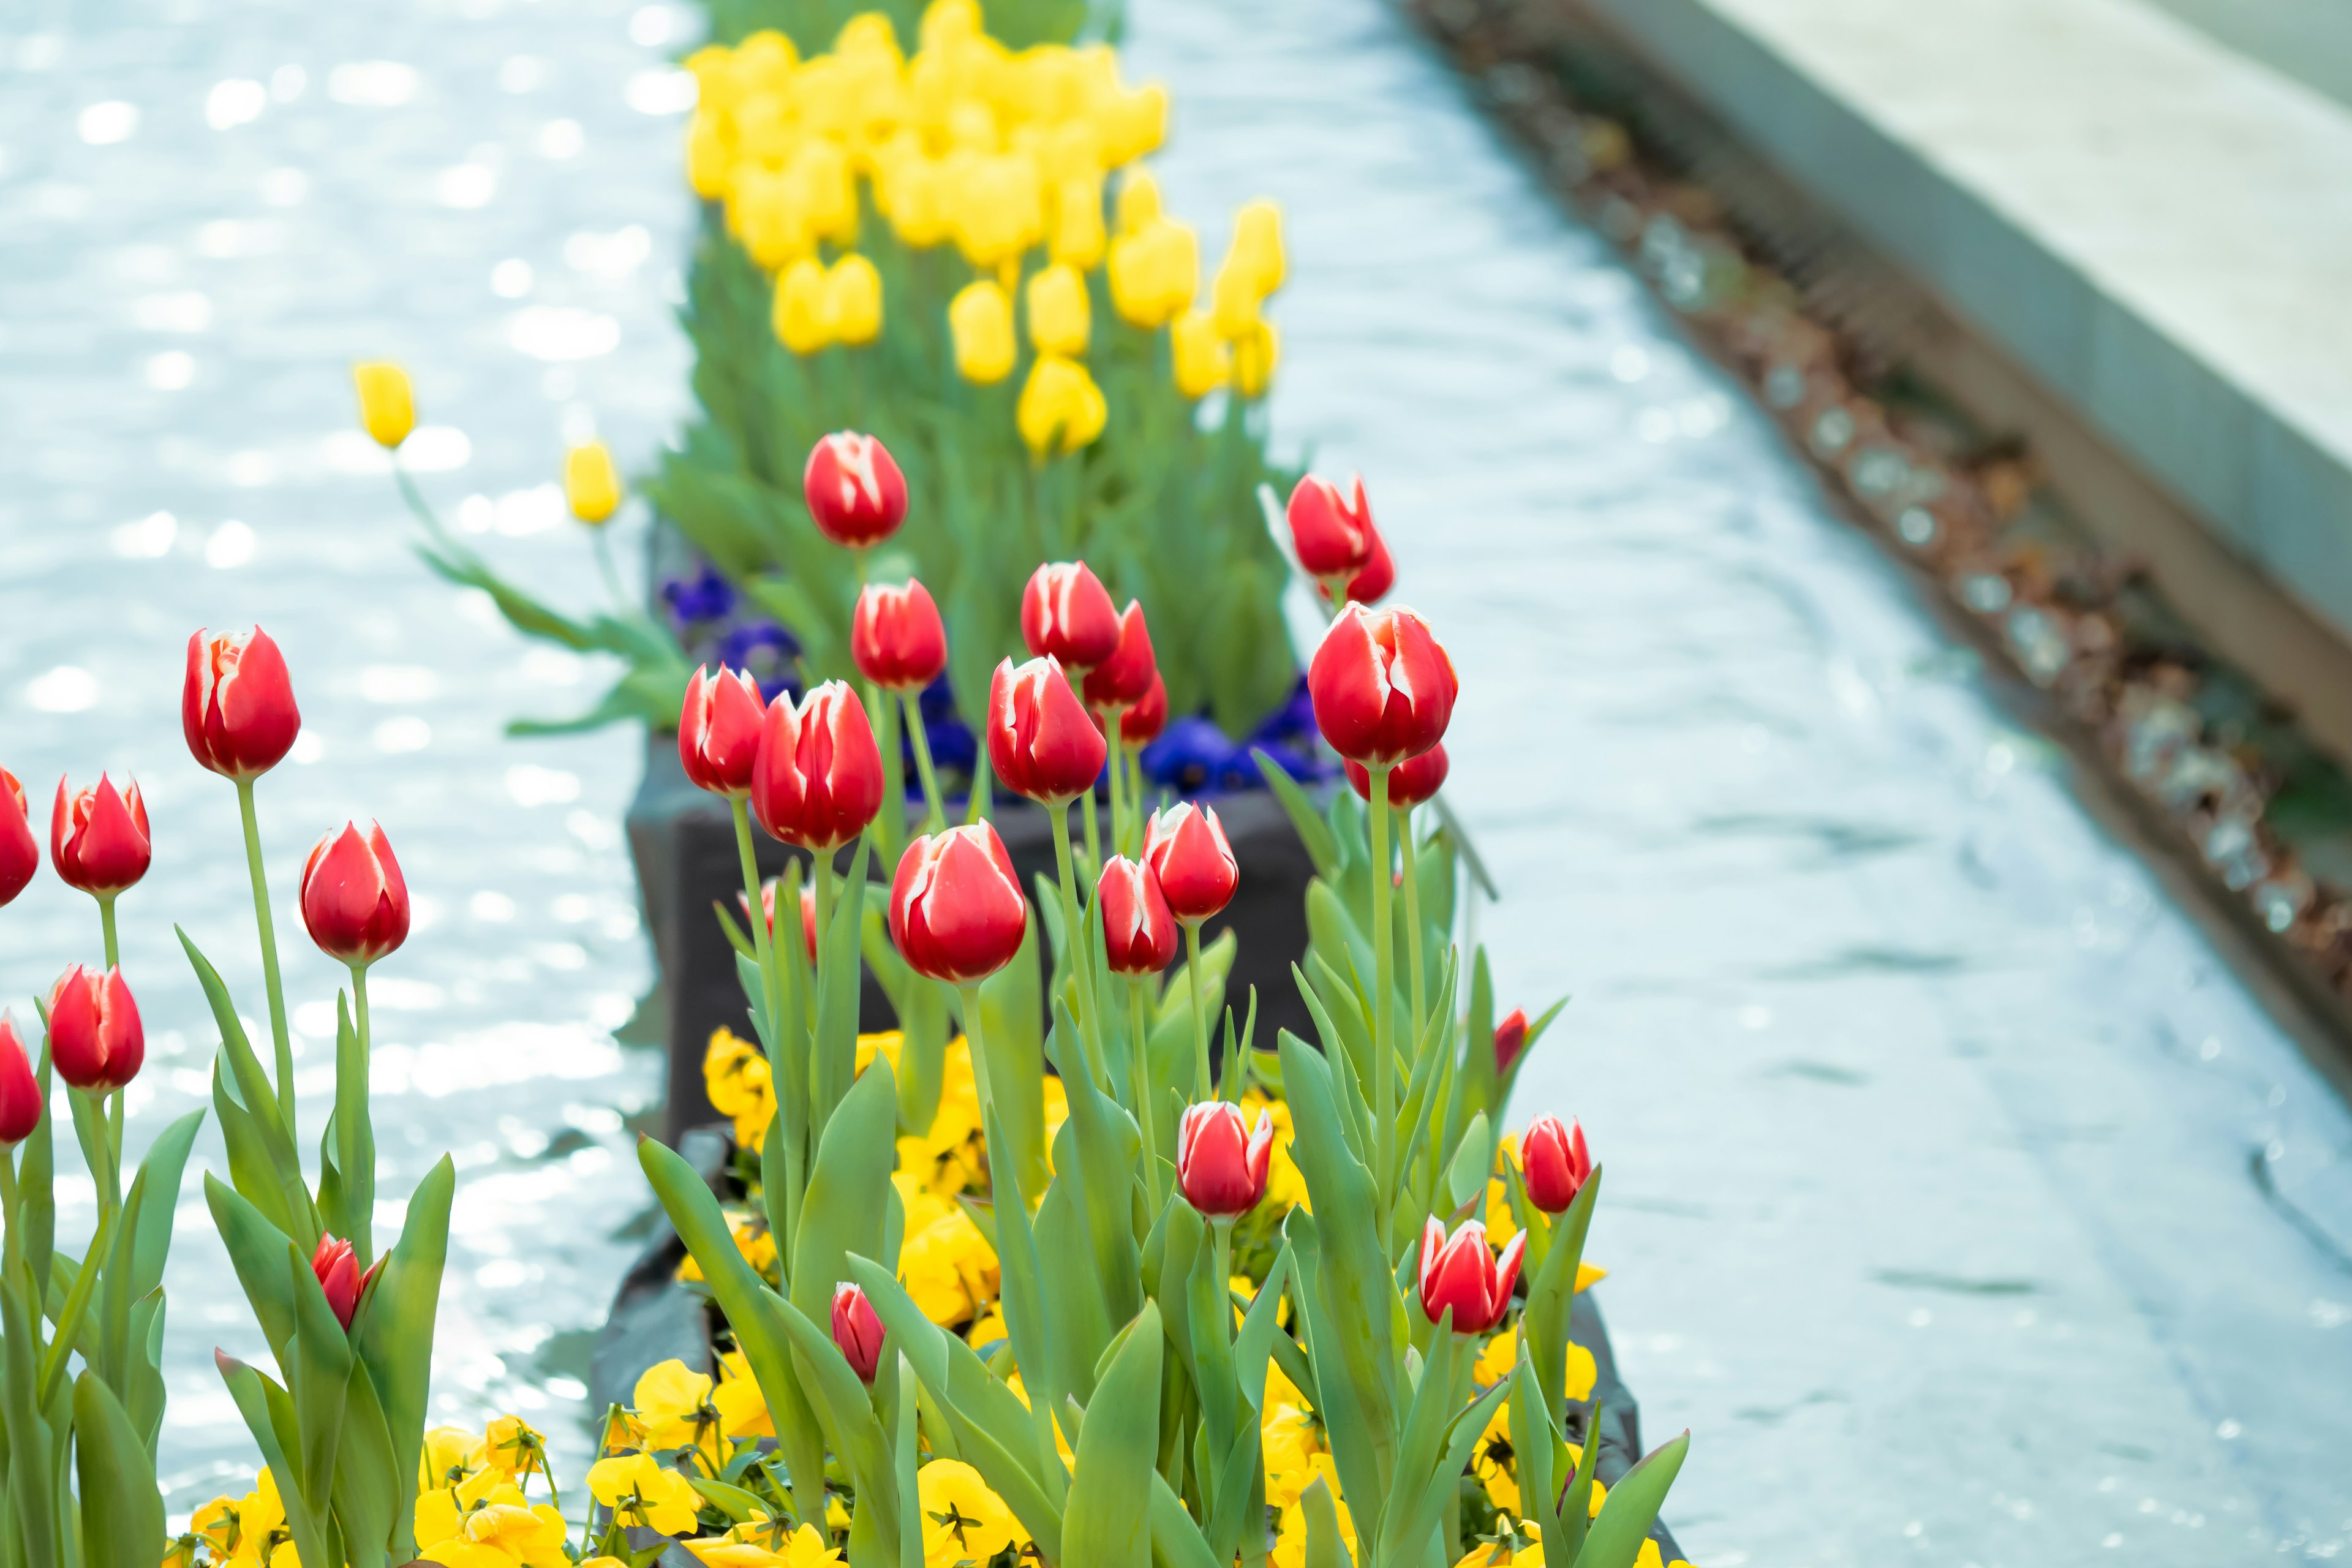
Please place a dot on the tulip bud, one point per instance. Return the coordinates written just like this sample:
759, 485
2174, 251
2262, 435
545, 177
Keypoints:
96, 1041
818, 779
1059, 320
20, 852
1066, 613
237, 705
1141, 725
856, 1331
98, 838
337, 1268
1123, 679
956, 910
855, 494
387, 406
1219, 1166
1372, 581
979, 318
1460, 1274
1410, 782
1139, 928
896, 637
1510, 1039
719, 730
20, 1092
592, 485
1040, 740
1331, 529
1186, 849
1555, 1163
354, 898
1382, 686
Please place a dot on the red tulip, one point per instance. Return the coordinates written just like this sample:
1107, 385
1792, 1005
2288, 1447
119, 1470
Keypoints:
956, 910
1220, 1164
1410, 782
1125, 677
1510, 1039
1040, 740
354, 898
20, 852
1382, 687
1462, 1274
768, 907
1555, 1163
896, 637
819, 778
1065, 612
1139, 929
1186, 846
98, 838
338, 1271
237, 705
95, 1038
856, 493
1373, 580
1331, 531
857, 1330
20, 1092
1141, 725
719, 730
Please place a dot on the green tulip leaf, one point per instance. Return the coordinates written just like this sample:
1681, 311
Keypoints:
121, 1511
1117, 1451
1631, 1509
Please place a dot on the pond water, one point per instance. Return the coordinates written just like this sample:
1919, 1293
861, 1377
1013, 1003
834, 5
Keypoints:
1959, 1198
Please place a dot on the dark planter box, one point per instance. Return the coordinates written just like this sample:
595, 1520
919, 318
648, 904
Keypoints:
682, 842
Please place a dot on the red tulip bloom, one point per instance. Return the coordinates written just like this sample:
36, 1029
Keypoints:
1041, 741
1373, 580
856, 493
768, 907
1410, 782
1219, 1163
956, 910
1331, 529
1462, 1274
719, 730
20, 852
1141, 725
896, 636
98, 838
1555, 1163
1139, 928
1186, 846
819, 778
96, 1041
1510, 1039
1125, 677
856, 1331
20, 1092
237, 705
1066, 613
1382, 686
354, 898
338, 1271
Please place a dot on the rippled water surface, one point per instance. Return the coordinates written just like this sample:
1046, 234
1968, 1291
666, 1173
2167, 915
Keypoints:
1958, 1199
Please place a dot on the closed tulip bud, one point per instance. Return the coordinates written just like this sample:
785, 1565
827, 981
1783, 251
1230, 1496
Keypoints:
1410, 782
856, 1331
337, 1268
856, 289
803, 315
1382, 686
592, 485
768, 912
1040, 740
1185, 847
1555, 1163
1155, 271
20, 852
855, 494
981, 320
1463, 1275
1058, 316
237, 705
1066, 613
956, 910
818, 780
1139, 928
1331, 531
1220, 1163
1372, 580
1510, 1039
1138, 201
896, 637
1122, 680
719, 730
98, 838
1257, 350
354, 900
96, 1042
1257, 251
1141, 725
1078, 239
20, 1092
1202, 361
387, 407
1060, 409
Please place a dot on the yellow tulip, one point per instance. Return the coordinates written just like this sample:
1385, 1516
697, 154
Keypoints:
803, 317
868, 31
856, 289
981, 319
1057, 311
999, 209
642, 1494
765, 133
762, 211
1138, 201
1257, 251
1078, 237
1255, 353
972, 127
948, 22
825, 189
763, 63
1155, 270
591, 483
714, 77
1203, 364
710, 150
1132, 124
1070, 151
913, 191
387, 407
1060, 403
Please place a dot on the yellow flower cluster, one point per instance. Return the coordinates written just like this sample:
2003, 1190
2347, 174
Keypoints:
1286, 1188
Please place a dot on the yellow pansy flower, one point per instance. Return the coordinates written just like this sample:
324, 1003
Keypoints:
1290, 1441
218, 1522
642, 1494
963, 1521
884, 1043
1492, 1460
1285, 1187
1290, 1542
1255, 353
451, 1453
1502, 1353
1155, 270
1202, 361
946, 1264
742, 1408
1060, 407
504, 1533
803, 317
674, 1403
591, 483
1518, 1545
736, 1079
441, 1514
806, 1549
387, 405
514, 1448
1058, 316
981, 320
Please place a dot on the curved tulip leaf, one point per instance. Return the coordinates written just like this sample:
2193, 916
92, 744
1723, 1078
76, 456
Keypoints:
145, 1403
1477, 1079
1313, 832
269, 1415
1543, 1324
1116, 1449
1631, 1508
1474, 1162
1576, 1503
166, 1161
838, 983
1108, 1144
393, 1332
257, 1250
121, 1511
1428, 1423
1325, 1546
1022, 1300
319, 1380
854, 1431
1536, 1448
369, 1478
737, 1504
1012, 1014
32, 1502
1364, 1455
843, 1210
76, 1306
264, 1163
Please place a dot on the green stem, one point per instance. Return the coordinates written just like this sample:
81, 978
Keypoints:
1093, 839
105, 924
8, 1212
359, 1007
620, 602
1140, 1084
763, 944
1222, 1228
1199, 1010
1383, 1008
277, 987
935, 806
1419, 984
1074, 937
